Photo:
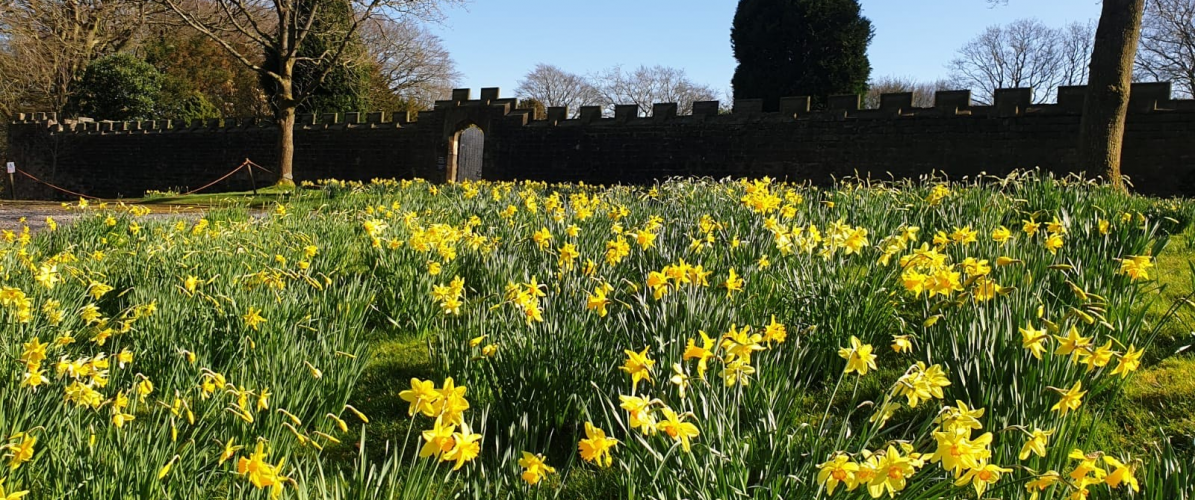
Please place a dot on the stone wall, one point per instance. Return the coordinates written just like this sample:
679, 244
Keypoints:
125, 159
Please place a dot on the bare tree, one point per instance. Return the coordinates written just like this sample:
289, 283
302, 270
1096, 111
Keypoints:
412, 62
281, 28
552, 86
1074, 52
46, 45
1025, 53
1109, 79
923, 92
1101, 133
648, 85
1167, 51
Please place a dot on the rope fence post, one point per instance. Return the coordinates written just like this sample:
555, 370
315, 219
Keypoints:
12, 180
252, 183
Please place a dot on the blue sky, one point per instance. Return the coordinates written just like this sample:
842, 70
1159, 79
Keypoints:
496, 42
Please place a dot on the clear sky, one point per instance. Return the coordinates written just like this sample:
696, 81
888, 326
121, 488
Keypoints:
495, 42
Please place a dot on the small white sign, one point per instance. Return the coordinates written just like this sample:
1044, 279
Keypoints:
12, 167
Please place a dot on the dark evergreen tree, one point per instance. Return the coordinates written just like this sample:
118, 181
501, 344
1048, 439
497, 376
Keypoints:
800, 47
116, 87
320, 84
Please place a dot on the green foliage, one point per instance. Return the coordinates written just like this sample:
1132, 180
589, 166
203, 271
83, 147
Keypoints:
186, 106
800, 47
334, 84
200, 79
117, 87
539, 111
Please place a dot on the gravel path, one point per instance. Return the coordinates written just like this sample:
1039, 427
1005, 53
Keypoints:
35, 213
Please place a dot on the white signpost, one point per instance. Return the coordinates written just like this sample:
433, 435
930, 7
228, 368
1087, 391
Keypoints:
12, 183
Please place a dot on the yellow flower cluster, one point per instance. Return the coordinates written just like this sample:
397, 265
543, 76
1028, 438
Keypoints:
450, 296
447, 406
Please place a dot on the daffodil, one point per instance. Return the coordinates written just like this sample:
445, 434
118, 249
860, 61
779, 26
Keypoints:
1121, 474
253, 318
1033, 340
839, 470
21, 450
638, 366
466, 446
1136, 267
452, 403
701, 354
982, 477
1038, 440
438, 439
534, 468
892, 473
15, 495
859, 358
733, 283
260, 473
422, 396
1040, 483
1071, 399
596, 447
675, 427
1128, 362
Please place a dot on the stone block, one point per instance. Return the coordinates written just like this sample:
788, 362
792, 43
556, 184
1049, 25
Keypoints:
625, 112
664, 111
848, 102
1071, 97
352, 118
590, 114
461, 95
950, 102
1146, 97
329, 119
490, 94
1013, 102
794, 106
748, 106
375, 118
557, 114
705, 108
896, 103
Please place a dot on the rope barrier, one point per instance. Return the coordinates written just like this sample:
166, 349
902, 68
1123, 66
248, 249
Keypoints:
67, 191
210, 184
259, 167
245, 164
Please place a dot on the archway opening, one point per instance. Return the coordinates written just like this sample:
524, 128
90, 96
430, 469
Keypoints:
466, 153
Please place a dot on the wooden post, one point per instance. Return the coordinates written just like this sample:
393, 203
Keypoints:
252, 182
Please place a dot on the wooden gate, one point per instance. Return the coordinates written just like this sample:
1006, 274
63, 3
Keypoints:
470, 149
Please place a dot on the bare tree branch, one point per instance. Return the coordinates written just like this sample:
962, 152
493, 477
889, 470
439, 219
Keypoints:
1025, 53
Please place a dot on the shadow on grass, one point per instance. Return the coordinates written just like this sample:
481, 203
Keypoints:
394, 361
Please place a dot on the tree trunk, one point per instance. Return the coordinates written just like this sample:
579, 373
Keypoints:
1101, 134
286, 144
285, 117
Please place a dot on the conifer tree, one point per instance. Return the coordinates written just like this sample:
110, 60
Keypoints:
800, 47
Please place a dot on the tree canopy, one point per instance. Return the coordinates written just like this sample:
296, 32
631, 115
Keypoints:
800, 47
